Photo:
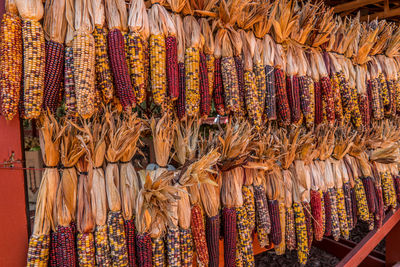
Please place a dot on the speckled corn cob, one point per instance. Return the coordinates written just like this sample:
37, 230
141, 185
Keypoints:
186, 247
384, 90
328, 100
210, 60
172, 67
389, 193
392, 93
192, 81
369, 193
334, 214
355, 113
130, 241
319, 113
362, 206
341, 209
173, 247
323, 211
158, 74
10, 64
259, 73
270, 96
104, 79
307, 213
230, 84
397, 95
69, 83
349, 205
364, 109
245, 242
38, 251
102, 247
282, 97
144, 250
251, 98
205, 98
301, 233
213, 231
218, 92
281, 248
199, 234
307, 100
158, 254
230, 236
117, 239
240, 75
248, 202
354, 205
275, 234
34, 67
180, 103
345, 93
337, 99
316, 211
396, 180
65, 247
86, 250
290, 237
84, 73
263, 221
375, 99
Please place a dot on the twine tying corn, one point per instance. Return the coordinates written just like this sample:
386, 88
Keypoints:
10, 64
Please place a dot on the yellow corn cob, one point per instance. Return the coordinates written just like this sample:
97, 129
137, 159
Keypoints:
301, 233
251, 97
362, 206
34, 67
244, 244
136, 63
104, 79
355, 113
261, 84
323, 210
336, 96
345, 97
102, 246
85, 248
389, 193
341, 209
248, 202
158, 254
158, 69
210, 59
10, 64
281, 248
84, 73
38, 252
192, 80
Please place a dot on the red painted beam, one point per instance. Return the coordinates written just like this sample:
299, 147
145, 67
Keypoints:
370, 241
393, 246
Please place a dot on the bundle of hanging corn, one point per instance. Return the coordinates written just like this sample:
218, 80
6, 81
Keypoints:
117, 18
181, 102
116, 146
129, 182
65, 205
10, 60
55, 29
237, 240
31, 12
137, 48
71, 108
104, 77
39, 243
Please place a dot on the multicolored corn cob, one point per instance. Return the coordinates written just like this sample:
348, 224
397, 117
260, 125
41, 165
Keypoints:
117, 238
230, 236
389, 193
263, 221
230, 84
362, 205
240, 75
375, 99
104, 79
270, 96
245, 241
334, 214
102, 247
119, 66
319, 113
349, 205
144, 250
345, 93
192, 80
281, 248
316, 211
309, 224
327, 98
337, 99
275, 234
85, 249
210, 59
379, 214
307, 100
396, 180
10, 64
158, 252
173, 247
248, 202
364, 109
301, 233
180, 105
251, 98
38, 252
354, 205
259, 72
369, 193
186, 247
212, 230
65, 249
158, 75
53, 249
290, 237
172, 67
34, 67
218, 94
282, 97
199, 234
341, 210
69, 83
293, 93
205, 98
356, 117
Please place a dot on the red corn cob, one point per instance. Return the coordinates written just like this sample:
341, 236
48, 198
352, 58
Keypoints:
397, 186
218, 88
180, 106
318, 103
276, 232
240, 75
282, 97
212, 230
307, 213
205, 99
328, 100
53, 75
123, 86
172, 67
316, 210
292, 88
328, 214
230, 236
369, 192
65, 249
379, 214
364, 109
130, 241
144, 250
199, 235
349, 205
53, 249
